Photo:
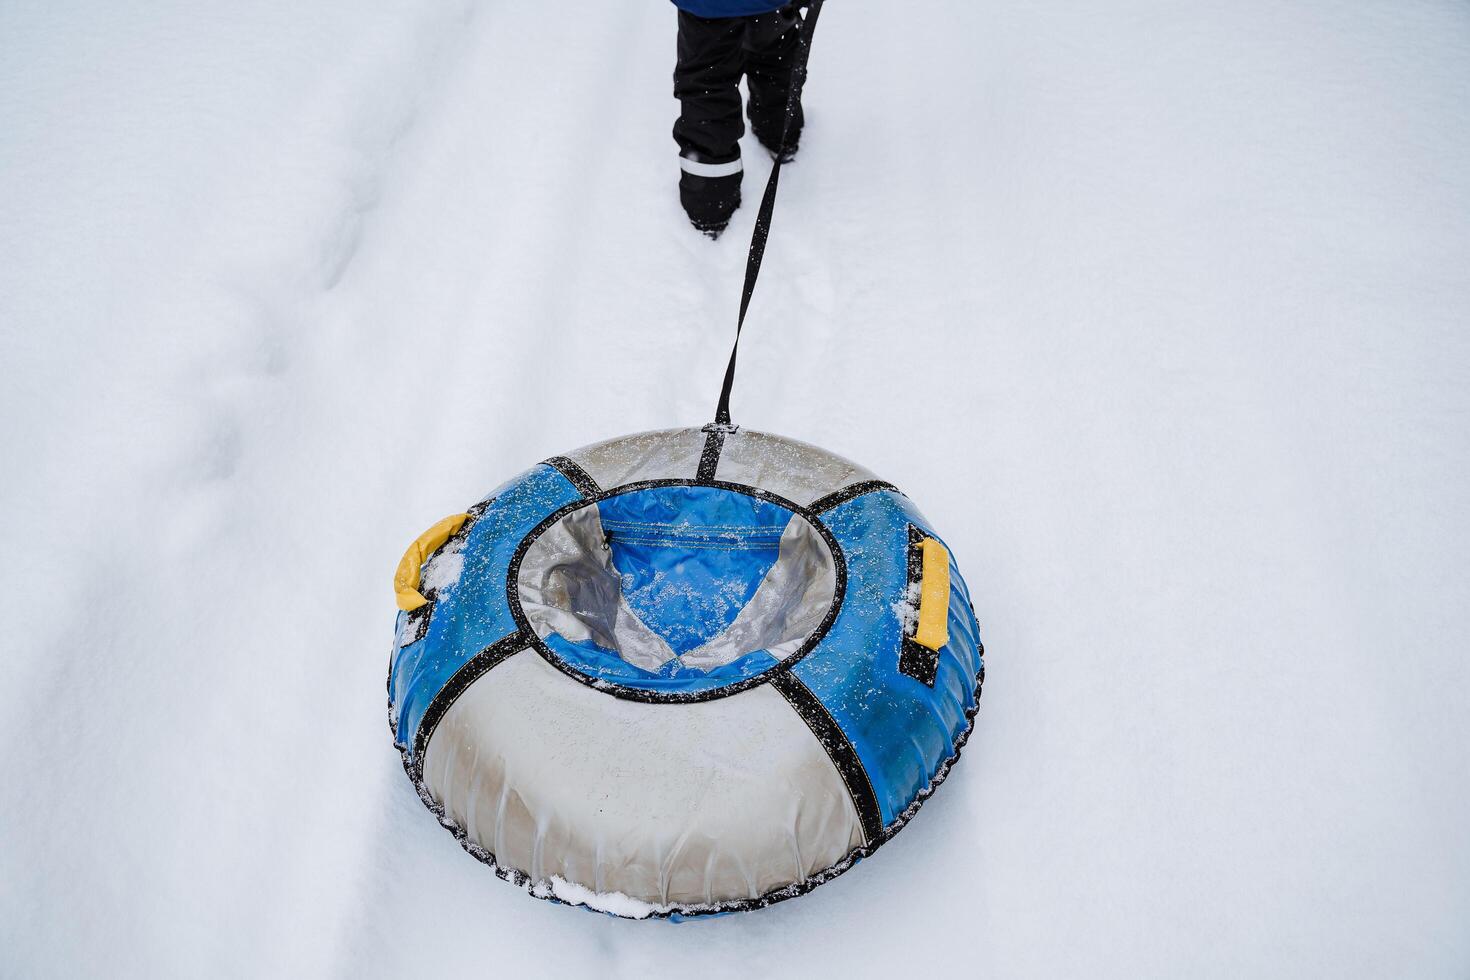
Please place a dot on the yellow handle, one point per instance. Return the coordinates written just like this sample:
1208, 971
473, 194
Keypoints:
406, 579
933, 631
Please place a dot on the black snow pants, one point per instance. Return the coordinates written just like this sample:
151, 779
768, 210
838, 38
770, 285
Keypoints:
713, 55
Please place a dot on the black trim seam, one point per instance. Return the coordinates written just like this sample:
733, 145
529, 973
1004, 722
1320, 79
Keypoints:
837, 497
709, 458
838, 748
575, 475
914, 659
476, 667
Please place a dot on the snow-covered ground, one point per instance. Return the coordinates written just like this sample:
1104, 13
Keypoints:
1160, 310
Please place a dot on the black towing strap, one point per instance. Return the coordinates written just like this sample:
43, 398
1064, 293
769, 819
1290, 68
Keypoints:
768, 203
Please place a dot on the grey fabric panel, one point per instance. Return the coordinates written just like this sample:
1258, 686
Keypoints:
668, 454
795, 470
790, 603
567, 585
670, 803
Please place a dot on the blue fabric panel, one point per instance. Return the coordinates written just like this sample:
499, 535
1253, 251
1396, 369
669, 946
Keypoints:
475, 613
691, 557
729, 8
902, 729
395, 696
673, 678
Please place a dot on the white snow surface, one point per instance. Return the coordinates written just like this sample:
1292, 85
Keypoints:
1160, 311
613, 903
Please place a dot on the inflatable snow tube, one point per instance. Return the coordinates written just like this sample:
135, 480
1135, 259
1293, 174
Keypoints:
682, 672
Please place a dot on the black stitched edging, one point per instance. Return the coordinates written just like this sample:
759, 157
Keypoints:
916, 555
914, 659
419, 620
838, 748
575, 475
918, 661
513, 598
836, 497
709, 459
476, 667
794, 890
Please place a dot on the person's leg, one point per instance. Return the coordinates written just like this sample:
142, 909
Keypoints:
709, 127
771, 43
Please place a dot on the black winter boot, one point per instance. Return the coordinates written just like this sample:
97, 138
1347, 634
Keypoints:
709, 127
709, 200
771, 139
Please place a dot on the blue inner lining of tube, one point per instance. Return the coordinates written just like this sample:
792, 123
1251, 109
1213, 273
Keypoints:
691, 557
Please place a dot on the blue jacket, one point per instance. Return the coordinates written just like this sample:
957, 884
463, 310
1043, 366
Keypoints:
729, 8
